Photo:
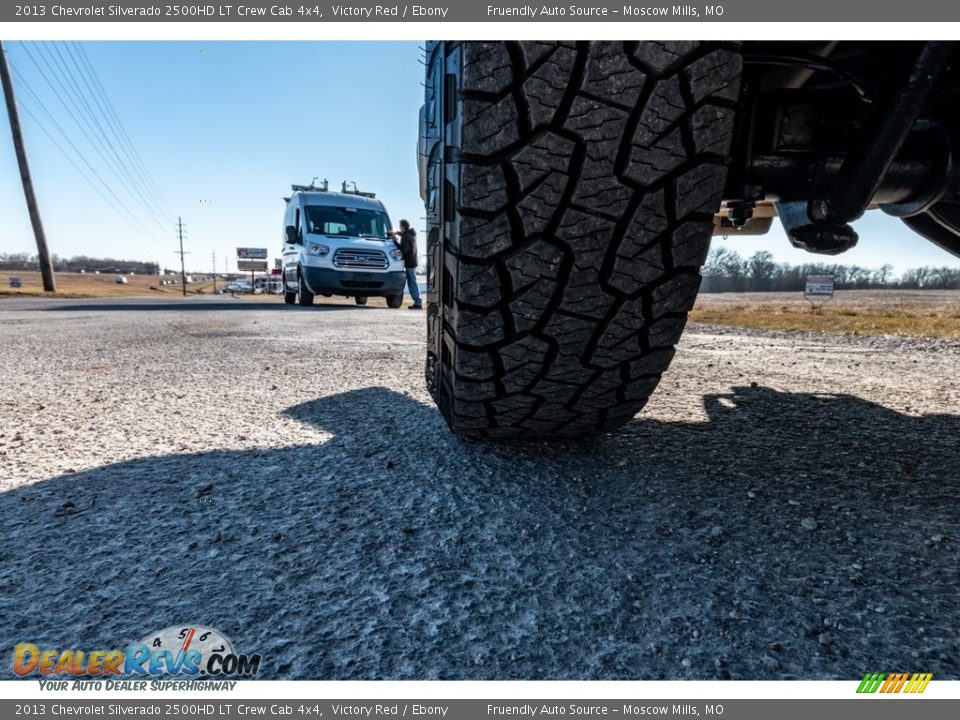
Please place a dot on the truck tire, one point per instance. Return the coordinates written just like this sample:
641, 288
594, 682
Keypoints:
394, 301
289, 297
570, 190
360, 300
304, 296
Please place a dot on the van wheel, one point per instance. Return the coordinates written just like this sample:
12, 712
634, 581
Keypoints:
289, 297
394, 301
306, 297
570, 190
360, 300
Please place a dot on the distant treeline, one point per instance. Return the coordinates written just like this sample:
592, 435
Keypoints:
726, 271
25, 261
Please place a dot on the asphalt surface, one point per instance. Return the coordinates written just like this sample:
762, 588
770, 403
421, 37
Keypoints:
785, 507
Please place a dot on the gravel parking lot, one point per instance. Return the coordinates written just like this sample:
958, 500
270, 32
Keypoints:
786, 507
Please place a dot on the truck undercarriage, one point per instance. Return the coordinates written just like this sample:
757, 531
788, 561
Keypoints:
830, 130
572, 189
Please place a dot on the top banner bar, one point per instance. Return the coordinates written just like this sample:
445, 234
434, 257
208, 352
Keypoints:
643, 11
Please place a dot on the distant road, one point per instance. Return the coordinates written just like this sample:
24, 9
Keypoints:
210, 303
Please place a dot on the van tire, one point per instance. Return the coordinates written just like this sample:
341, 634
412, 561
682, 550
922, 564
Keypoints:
305, 296
360, 300
289, 298
570, 191
394, 301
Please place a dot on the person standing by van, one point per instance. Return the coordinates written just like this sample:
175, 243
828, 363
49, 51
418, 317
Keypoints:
408, 248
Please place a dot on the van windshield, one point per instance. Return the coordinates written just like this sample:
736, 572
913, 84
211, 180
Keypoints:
354, 222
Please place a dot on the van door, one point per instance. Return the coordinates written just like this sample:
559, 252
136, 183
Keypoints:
291, 251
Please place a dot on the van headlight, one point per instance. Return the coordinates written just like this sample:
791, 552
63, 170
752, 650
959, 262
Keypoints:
317, 249
396, 254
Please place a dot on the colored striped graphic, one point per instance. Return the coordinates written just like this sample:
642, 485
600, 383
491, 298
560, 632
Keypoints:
918, 683
894, 682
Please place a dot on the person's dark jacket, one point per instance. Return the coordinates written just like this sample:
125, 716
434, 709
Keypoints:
408, 247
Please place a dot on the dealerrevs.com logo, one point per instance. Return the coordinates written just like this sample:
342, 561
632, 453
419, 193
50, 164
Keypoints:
190, 651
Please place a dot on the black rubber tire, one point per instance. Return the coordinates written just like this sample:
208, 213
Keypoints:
304, 296
360, 300
570, 194
289, 298
394, 301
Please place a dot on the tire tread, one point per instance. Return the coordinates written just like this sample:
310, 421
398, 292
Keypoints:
588, 178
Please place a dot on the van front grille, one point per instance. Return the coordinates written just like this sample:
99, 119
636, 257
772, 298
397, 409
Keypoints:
360, 259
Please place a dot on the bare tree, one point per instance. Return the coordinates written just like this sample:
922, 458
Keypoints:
761, 268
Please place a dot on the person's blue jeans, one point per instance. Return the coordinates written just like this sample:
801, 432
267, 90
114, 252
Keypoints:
412, 286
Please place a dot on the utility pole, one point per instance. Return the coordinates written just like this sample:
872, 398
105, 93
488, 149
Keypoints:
181, 253
214, 271
46, 267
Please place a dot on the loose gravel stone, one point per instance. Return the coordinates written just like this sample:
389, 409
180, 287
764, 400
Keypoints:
343, 516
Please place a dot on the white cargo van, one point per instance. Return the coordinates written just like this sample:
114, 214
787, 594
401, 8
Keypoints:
336, 243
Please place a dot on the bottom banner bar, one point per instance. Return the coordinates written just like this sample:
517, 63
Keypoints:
872, 707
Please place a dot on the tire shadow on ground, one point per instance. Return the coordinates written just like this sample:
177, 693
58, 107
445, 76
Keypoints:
787, 536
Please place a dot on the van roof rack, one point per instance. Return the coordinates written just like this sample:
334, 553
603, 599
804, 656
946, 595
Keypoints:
347, 188
355, 191
312, 187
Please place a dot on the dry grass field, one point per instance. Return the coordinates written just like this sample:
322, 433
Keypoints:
82, 285
910, 313
77, 285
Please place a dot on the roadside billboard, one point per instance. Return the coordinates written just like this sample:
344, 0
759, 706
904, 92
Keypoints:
252, 265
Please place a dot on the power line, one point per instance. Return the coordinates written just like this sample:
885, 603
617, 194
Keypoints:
98, 126
73, 112
130, 217
131, 220
61, 94
123, 133
135, 181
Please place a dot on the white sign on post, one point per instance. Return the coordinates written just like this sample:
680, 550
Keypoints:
818, 288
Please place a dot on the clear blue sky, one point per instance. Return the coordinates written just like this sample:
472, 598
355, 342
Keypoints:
224, 128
